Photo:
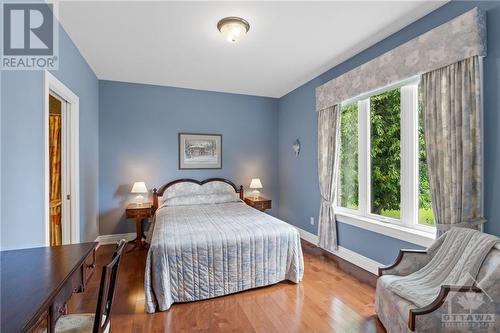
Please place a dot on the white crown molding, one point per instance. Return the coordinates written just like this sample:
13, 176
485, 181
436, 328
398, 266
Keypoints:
355, 258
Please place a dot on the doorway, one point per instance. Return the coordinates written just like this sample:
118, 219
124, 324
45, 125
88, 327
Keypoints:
61, 164
56, 157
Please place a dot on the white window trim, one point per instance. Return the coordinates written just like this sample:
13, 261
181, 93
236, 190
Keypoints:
407, 228
409, 155
410, 235
364, 157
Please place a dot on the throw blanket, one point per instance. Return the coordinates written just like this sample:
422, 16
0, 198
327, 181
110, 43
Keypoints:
456, 262
209, 250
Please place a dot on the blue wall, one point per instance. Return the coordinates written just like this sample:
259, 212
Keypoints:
22, 148
299, 192
138, 128
128, 132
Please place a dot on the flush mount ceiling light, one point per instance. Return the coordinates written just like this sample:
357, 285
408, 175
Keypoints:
233, 28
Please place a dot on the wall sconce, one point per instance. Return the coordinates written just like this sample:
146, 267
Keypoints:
296, 147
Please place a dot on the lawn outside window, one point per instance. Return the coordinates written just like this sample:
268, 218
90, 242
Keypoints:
383, 171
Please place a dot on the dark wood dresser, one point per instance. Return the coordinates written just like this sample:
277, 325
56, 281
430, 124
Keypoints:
36, 284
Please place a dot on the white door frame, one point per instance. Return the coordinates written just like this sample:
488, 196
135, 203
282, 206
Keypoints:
71, 118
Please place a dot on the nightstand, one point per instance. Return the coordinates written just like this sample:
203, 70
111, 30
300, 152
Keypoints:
260, 203
139, 213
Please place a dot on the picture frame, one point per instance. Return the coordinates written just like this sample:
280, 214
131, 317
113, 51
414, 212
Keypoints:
200, 151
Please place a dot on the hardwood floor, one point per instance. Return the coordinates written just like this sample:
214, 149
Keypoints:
335, 296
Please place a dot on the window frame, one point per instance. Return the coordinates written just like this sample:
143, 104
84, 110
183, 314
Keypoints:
409, 159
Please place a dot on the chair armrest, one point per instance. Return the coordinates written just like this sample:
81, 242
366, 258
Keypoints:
420, 258
438, 302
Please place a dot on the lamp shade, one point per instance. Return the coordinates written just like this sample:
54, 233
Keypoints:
139, 187
255, 183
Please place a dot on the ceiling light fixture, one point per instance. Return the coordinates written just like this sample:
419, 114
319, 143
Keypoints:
233, 28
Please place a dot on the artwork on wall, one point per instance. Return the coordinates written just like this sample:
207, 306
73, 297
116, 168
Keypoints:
200, 151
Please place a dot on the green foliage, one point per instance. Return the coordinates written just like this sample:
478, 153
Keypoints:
423, 172
425, 215
385, 150
349, 156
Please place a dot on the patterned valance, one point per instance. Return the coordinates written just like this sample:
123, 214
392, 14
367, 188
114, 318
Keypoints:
458, 39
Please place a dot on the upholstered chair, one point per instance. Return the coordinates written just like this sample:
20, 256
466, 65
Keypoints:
451, 310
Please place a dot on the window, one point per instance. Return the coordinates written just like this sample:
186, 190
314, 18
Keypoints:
383, 167
385, 154
348, 173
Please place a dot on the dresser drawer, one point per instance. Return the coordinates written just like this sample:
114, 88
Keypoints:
88, 268
260, 204
77, 281
59, 307
139, 213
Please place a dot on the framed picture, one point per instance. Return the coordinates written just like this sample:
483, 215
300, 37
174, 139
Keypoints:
200, 151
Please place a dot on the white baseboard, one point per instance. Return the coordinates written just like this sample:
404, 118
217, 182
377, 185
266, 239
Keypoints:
112, 239
359, 260
355, 258
307, 236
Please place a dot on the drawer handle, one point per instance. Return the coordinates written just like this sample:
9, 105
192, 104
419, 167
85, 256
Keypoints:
63, 309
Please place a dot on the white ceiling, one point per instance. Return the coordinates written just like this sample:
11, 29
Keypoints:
177, 43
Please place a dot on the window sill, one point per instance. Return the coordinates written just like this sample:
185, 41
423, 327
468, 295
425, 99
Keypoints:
406, 234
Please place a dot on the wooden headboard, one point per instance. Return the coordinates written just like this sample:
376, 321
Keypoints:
159, 192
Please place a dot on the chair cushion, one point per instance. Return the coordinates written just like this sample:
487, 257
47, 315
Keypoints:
77, 323
391, 309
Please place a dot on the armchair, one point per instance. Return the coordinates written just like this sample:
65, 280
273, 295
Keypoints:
473, 308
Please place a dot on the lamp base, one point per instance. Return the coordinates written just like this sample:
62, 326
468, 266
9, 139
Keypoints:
139, 200
255, 194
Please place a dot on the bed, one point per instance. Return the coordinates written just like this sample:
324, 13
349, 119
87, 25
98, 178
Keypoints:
206, 242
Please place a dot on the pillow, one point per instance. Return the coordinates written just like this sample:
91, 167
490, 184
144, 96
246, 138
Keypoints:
202, 199
183, 189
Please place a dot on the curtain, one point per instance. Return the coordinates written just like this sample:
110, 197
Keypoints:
328, 160
458, 39
452, 114
55, 179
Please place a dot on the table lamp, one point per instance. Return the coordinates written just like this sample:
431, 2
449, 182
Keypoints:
255, 184
139, 188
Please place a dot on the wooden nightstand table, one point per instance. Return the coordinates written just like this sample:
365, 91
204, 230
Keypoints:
139, 213
260, 203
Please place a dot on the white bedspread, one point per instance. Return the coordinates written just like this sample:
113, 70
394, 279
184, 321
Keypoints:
204, 251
